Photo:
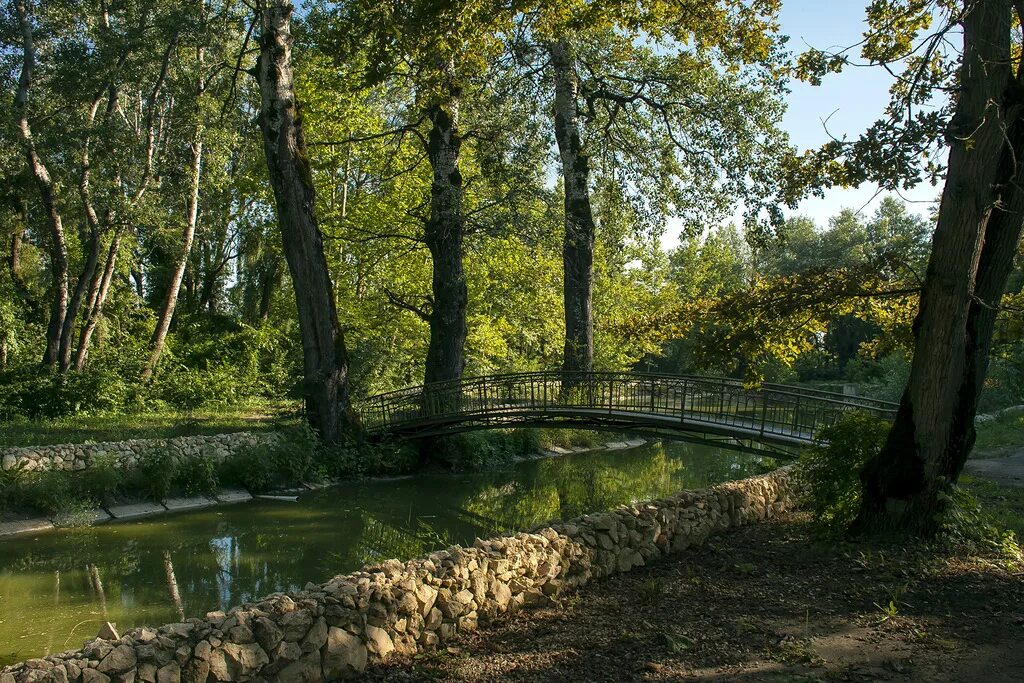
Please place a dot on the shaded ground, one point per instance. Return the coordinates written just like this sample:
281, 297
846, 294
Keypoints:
766, 603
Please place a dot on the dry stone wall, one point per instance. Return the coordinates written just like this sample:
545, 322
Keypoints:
127, 453
335, 630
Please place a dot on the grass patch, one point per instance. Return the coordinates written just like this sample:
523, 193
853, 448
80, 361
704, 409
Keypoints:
1003, 504
151, 425
1000, 437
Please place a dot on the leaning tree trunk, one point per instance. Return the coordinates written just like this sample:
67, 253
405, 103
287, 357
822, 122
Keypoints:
163, 321
325, 362
59, 251
1002, 237
905, 483
443, 235
578, 245
95, 313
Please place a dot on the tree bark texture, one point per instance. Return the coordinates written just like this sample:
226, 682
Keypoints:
325, 362
924, 452
443, 234
578, 245
43, 181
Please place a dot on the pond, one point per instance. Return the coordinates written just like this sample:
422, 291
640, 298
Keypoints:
57, 588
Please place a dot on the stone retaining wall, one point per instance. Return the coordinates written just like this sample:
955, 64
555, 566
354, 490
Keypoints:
127, 453
336, 629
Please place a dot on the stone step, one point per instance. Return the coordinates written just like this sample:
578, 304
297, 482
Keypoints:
25, 526
195, 503
233, 495
136, 510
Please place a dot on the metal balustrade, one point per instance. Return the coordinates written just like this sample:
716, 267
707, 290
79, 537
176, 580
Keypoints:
723, 410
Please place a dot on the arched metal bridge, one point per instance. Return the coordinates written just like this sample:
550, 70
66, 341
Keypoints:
766, 418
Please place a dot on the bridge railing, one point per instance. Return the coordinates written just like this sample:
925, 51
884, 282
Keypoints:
767, 409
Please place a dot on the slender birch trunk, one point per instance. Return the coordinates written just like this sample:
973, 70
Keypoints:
41, 175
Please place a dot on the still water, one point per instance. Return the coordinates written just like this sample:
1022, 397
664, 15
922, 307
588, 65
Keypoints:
57, 588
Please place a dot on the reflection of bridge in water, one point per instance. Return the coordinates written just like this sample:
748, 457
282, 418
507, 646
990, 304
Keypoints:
765, 418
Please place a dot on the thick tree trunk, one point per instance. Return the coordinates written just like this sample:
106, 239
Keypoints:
904, 484
578, 246
443, 235
58, 251
325, 362
1002, 237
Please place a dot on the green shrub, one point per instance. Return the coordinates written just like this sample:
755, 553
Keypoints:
103, 480
50, 491
289, 460
966, 523
196, 475
154, 475
567, 438
830, 474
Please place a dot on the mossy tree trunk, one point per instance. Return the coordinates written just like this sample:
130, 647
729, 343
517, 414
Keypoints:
325, 361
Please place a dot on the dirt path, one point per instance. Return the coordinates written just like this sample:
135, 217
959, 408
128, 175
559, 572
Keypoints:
1008, 471
766, 603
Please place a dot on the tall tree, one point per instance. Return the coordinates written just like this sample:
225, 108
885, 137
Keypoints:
325, 366
163, 321
644, 89
443, 50
580, 227
47, 191
444, 233
975, 239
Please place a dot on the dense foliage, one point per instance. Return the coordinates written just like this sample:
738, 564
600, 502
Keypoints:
122, 97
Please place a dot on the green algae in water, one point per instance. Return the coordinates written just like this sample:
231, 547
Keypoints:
57, 588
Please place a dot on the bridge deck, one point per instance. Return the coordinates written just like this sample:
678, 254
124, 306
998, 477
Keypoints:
768, 414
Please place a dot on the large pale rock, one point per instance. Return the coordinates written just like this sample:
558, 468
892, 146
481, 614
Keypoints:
345, 654
316, 637
169, 673
295, 625
268, 635
94, 676
379, 642
233, 660
118, 660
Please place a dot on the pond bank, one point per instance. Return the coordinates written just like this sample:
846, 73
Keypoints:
186, 446
515, 559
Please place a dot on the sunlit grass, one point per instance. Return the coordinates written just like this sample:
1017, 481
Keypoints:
150, 425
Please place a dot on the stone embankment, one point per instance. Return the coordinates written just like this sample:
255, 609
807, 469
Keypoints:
337, 629
128, 453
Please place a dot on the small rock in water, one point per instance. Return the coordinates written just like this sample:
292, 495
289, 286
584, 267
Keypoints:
108, 632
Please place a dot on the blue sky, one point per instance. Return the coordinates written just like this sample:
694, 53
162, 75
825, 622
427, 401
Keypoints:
850, 101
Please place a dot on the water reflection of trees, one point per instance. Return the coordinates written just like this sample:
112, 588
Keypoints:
562, 488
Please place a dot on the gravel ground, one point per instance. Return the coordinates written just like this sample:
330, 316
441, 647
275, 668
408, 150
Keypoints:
765, 603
